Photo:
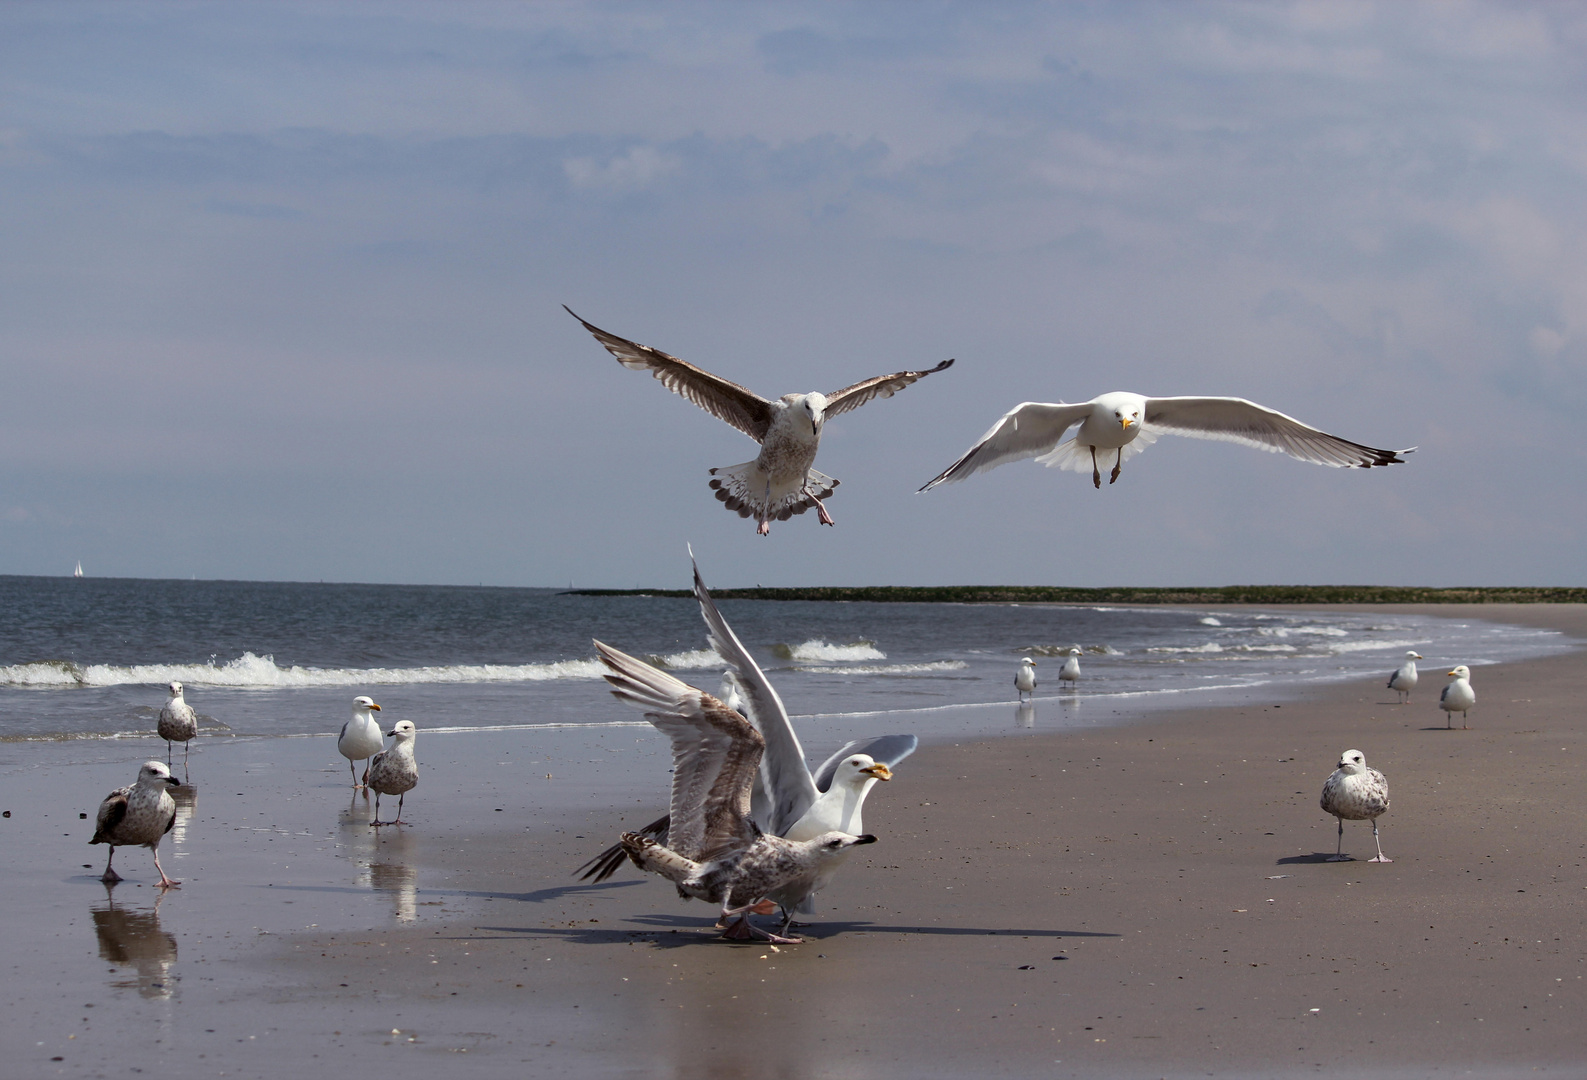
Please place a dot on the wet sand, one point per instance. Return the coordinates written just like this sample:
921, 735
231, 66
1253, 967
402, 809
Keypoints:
1146, 900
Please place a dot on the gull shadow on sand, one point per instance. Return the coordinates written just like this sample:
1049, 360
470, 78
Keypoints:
1314, 857
540, 896
676, 931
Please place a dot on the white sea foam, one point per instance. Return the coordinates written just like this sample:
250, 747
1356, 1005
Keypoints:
821, 652
687, 661
1209, 647
886, 669
1208, 620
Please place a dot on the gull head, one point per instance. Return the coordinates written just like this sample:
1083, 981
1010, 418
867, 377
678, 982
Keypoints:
176, 689
1128, 415
810, 408
404, 730
858, 769
830, 844
1413, 655
1352, 762
1027, 660
154, 774
1461, 672
364, 704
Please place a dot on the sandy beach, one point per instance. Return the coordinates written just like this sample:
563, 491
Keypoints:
1143, 900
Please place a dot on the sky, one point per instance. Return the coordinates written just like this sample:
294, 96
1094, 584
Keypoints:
281, 285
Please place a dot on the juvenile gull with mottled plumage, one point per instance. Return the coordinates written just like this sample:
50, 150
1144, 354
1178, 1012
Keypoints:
138, 814
178, 723
394, 771
1356, 792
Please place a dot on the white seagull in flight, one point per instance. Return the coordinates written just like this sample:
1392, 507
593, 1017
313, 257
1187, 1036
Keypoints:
1124, 424
780, 482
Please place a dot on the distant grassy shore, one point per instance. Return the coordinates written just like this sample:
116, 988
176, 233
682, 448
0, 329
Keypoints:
1045, 594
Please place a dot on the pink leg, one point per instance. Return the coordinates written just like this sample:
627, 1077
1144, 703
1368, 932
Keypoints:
165, 882
1381, 857
110, 877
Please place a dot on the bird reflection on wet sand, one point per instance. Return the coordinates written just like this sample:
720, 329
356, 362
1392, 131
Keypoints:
385, 863
131, 936
1025, 714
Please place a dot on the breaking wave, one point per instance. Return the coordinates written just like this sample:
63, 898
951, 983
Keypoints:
887, 669
820, 652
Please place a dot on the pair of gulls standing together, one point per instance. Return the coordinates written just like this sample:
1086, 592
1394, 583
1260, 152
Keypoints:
749, 826
1025, 677
389, 772
1456, 697
782, 481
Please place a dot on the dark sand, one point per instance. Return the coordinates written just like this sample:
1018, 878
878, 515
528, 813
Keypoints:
1140, 901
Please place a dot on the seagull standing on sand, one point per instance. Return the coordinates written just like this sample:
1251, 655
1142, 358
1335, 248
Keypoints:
787, 799
394, 771
714, 852
178, 723
1403, 681
1358, 793
1125, 424
780, 482
1071, 669
360, 738
138, 814
1458, 696
1025, 678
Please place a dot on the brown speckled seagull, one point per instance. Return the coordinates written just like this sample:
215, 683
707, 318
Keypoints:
138, 814
780, 482
1356, 792
714, 852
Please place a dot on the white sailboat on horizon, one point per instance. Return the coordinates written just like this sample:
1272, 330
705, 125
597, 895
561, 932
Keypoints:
79, 571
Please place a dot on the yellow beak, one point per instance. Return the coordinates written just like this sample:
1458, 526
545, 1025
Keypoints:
372, 705
1125, 421
880, 771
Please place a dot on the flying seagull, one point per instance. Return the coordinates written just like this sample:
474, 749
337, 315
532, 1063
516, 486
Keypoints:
1125, 424
1356, 792
714, 852
1403, 681
360, 738
787, 800
178, 723
138, 814
1458, 696
780, 482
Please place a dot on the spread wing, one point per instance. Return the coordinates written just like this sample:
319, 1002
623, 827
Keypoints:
852, 397
111, 813
1237, 420
1028, 429
786, 789
728, 401
715, 753
887, 749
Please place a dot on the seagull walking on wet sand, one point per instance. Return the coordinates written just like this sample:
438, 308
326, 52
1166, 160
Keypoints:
788, 800
394, 771
714, 852
1121, 425
1356, 792
1025, 678
360, 738
138, 814
781, 481
1458, 696
1070, 673
178, 723
1403, 681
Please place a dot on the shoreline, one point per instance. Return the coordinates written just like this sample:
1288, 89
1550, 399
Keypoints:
1141, 853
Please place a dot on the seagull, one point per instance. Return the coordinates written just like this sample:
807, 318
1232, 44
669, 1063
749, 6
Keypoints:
139, 813
714, 852
1458, 696
360, 738
1403, 681
178, 723
780, 482
394, 771
1358, 793
1025, 678
787, 800
1071, 668
1128, 423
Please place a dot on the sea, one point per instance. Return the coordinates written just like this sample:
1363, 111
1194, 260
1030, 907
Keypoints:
86, 659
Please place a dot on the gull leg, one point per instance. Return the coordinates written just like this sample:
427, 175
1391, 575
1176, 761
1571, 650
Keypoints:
1381, 857
364, 783
352, 767
377, 822
1117, 465
185, 748
110, 877
826, 518
1339, 851
167, 753
1463, 725
165, 882
398, 819
1096, 474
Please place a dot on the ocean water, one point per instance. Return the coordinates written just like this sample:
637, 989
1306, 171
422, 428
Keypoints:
89, 659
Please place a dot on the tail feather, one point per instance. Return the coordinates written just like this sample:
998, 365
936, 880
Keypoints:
744, 489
